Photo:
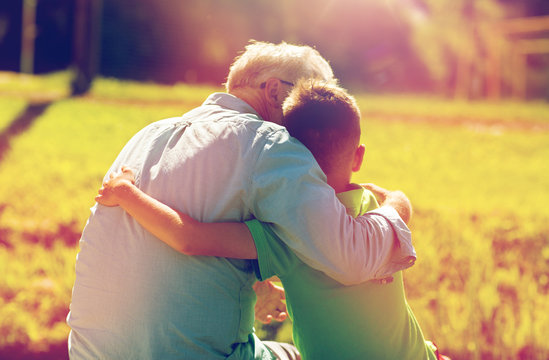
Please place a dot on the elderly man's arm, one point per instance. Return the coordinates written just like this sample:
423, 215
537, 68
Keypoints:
289, 190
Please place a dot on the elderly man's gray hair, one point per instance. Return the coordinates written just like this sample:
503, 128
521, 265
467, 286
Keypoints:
261, 61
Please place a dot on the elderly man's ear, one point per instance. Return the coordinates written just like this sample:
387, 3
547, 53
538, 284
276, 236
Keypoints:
273, 92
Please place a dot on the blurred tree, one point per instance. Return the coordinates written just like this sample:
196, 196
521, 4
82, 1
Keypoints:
390, 45
28, 36
525, 8
86, 44
55, 28
363, 40
192, 40
48, 35
375, 45
367, 42
449, 40
11, 16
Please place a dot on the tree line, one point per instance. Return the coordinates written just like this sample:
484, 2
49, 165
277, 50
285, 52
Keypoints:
435, 46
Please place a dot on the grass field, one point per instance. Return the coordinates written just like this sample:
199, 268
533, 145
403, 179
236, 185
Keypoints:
477, 174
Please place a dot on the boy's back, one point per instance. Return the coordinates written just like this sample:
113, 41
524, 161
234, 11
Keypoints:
332, 321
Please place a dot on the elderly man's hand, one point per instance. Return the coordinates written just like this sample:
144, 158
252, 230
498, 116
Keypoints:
395, 199
270, 302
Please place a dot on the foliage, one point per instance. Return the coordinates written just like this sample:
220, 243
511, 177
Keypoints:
479, 189
451, 30
392, 45
441, 46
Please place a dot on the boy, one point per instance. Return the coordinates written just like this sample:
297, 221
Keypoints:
330, 321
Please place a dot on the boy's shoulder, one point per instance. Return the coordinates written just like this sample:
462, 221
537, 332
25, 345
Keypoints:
358, 200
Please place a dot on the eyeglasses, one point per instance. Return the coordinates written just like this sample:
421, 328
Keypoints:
263, 84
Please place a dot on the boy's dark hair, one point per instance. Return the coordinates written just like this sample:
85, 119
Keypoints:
325, 118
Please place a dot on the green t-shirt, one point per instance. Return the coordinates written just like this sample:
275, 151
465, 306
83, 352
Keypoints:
371, 320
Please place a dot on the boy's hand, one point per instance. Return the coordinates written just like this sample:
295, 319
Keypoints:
108, 194
270, 303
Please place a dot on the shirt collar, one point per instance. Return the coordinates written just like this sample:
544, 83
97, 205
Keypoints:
230, 102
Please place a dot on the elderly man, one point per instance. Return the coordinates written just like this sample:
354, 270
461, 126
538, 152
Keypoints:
227, 160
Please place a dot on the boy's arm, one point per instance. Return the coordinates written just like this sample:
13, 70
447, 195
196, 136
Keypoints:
178, 230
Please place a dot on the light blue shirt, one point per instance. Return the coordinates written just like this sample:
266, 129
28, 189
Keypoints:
136, 298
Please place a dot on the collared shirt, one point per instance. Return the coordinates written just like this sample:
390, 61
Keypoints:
134, 297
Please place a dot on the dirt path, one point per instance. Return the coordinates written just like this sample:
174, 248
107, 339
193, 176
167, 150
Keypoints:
21, 123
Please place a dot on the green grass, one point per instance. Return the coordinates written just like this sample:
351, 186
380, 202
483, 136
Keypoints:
10, 109
35, 295
480, 230
72, 145
458, 168
150, 92
480, 286
54, 85
441, 110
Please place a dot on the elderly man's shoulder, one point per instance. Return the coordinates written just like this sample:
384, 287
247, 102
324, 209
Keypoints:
272, 129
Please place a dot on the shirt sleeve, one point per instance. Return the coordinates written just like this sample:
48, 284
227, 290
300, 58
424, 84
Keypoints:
289, 190
402, 254
273, 256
